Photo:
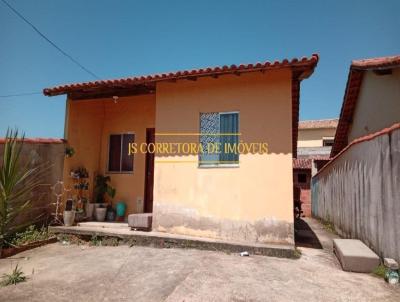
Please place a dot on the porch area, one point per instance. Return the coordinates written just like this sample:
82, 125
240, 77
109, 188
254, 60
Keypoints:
103, 171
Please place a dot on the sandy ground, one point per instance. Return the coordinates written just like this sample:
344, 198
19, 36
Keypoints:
81, 273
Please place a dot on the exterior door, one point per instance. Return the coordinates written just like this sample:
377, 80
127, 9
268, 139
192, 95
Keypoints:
149, 180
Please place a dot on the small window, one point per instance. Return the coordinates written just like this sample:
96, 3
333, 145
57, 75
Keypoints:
119, 160
327, 142
222, 129
302, 178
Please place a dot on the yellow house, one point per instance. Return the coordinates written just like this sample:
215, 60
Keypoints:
317, 133
244, 195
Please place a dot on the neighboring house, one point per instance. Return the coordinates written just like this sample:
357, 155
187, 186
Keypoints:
316, 138
246, 197
358, 190
313, 148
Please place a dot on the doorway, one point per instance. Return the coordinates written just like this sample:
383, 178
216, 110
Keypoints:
149, 173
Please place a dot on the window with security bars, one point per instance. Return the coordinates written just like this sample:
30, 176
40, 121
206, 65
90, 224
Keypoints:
219, 129
119, 159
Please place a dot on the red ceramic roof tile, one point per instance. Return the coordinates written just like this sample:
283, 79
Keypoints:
376, 62
302, 163
307, 63
354, 80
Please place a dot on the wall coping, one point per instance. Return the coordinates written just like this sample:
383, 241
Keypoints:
38, 140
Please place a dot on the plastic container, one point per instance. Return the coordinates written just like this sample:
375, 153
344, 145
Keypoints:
121, 208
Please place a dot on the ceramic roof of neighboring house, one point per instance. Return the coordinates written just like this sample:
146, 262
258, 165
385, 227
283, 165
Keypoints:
301, 69
354, 80
305, 163
302, 163
319, 124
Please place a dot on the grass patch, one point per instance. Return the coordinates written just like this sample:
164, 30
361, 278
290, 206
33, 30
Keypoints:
31, 235
379, 271
110, 241
328, 226
104, 241
95, 241
297, 253
16, 276
67, 239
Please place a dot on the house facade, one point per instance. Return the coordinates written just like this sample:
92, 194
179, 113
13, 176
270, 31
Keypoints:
243, 196
314, 145
358, 190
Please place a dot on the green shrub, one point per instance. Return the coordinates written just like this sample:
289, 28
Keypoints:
30, 235
380, 271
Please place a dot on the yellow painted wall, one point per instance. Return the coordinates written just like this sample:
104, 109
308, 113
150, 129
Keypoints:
252, 202
378, 104
313, 137
90, 122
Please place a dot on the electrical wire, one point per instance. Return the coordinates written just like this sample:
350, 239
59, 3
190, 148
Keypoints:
19, 94
48, 40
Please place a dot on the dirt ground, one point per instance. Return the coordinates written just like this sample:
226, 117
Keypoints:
59, 272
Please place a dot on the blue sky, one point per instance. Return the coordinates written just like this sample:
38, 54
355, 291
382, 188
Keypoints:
124, 38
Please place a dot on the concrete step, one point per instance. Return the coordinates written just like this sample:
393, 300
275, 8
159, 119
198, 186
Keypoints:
355, 256
106, 225
140, 221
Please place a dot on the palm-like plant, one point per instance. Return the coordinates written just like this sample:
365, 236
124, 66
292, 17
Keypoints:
16, 185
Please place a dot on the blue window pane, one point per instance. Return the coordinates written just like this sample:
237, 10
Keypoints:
229, 124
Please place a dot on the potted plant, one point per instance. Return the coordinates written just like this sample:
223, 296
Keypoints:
69, 151
89, 208
69, 213
100, 189
100, 212
111, 214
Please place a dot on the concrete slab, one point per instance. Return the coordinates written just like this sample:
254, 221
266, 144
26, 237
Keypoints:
355, 256
325, 237
391, 263
161, 240
65, 273
107, 225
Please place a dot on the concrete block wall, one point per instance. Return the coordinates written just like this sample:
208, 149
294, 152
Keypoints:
35, 152
359, 192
